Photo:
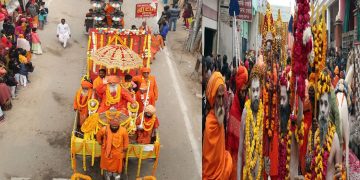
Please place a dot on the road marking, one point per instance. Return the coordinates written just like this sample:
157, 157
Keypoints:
19, 178
60, 179
189, 128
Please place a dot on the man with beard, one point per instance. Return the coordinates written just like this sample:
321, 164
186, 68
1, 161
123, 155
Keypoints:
325, 155
290, 133
113, 96
114, 141
251, 132
233, 126
100, 79
216, 161
83, 95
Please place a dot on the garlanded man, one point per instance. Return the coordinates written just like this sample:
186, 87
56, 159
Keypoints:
149, 80
325, 154
113, 96
291, 132
147, 124
144, 98
233, 126
216, 161
83, 95
114, 141
250, 157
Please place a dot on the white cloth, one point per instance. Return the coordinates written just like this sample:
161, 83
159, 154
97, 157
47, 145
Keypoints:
23, 44
12, 90
63, 30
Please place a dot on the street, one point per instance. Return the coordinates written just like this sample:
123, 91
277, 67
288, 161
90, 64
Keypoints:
35, 136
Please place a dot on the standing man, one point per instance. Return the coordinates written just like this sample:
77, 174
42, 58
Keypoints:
174, 16
89, 20
100, 79
146, 78
63, 32
82, 96
250, 158
114, 141
325, 156
233, 126
216, 161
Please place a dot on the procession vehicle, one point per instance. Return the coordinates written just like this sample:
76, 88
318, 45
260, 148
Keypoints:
120, 52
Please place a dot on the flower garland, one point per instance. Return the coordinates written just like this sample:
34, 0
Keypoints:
285, 153
320, 44
302, 47
253, 148
148, 126
111, 115
93, 109
322, 153
271, 122
85, 100
110, 100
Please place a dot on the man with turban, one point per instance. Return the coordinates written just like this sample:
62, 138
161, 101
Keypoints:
114, 141
142, 99
147, 124
250, 156
233, 126
82, 96
216, 161
325, 146
146, 78
113, 96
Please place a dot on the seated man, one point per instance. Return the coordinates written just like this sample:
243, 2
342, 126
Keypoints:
83, 95
100, 79
142, 99
128, 84
113, 96
114, 141
147, 125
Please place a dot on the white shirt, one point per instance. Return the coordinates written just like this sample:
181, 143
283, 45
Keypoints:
63, 29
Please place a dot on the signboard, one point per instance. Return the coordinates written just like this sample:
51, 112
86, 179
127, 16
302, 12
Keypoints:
245, 10
144, 10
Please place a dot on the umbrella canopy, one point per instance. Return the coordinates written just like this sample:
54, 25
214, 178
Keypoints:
117, 56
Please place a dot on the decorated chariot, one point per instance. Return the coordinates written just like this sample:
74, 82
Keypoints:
121, 52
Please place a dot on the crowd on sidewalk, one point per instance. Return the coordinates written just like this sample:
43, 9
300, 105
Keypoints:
19, 41
169, 16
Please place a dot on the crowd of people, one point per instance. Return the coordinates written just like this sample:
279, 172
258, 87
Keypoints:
19, 41
281, 118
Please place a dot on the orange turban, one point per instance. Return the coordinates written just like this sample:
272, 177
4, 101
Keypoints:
145, 69
241, 77
214, 82
150, 109
113, 79
336, 71
86, 84
114, 122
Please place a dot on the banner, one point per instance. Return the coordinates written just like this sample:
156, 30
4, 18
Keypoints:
144, 10
245, 10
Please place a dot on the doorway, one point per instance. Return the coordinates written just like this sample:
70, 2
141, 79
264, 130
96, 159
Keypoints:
209, 36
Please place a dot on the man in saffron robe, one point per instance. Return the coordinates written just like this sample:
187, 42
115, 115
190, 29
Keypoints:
233, 127
147, 126
113, 96
157, 43
83, 95
146, 78
142, 99
114, 141
98, 81
109, 10
216, 161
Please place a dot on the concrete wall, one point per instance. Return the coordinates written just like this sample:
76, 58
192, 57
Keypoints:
211, 4
225, 42
207, 23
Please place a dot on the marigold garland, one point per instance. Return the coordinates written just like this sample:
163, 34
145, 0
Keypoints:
148, 126
85, 100
110, 100
322, 153
253, 148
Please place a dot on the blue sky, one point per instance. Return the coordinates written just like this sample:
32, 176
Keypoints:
283, 3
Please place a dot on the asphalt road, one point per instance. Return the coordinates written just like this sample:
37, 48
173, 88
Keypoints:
35, 136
